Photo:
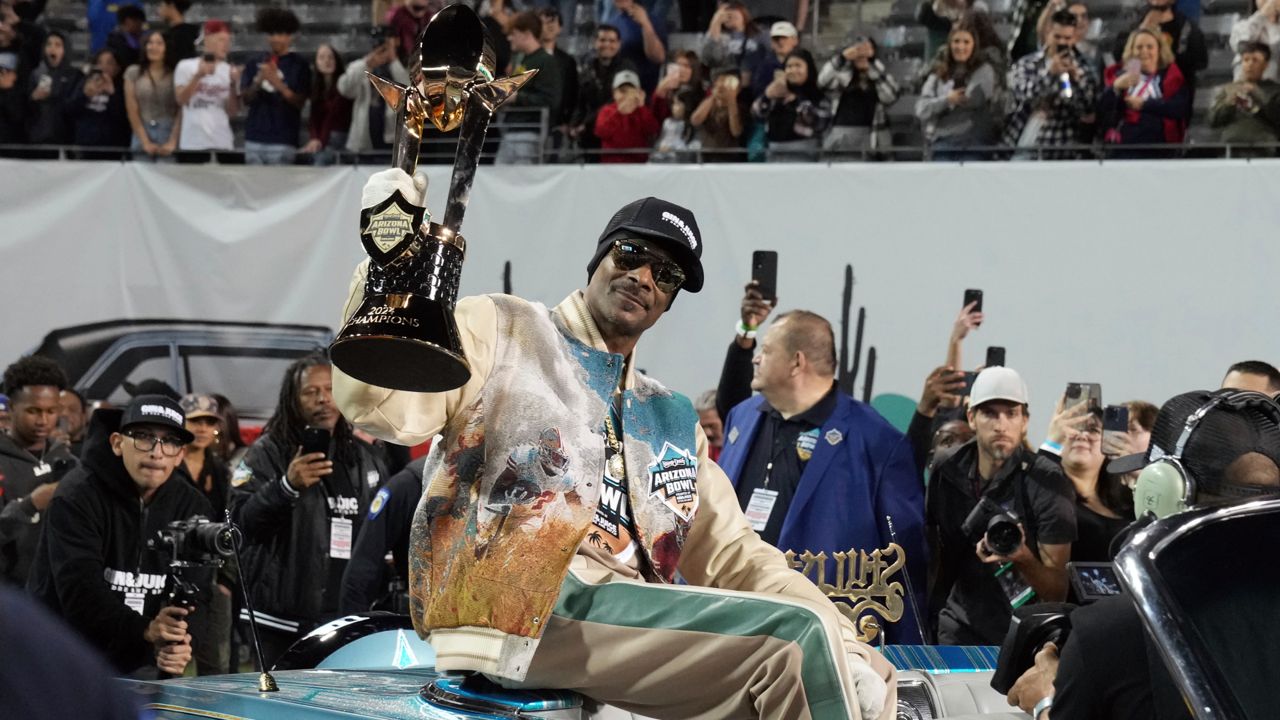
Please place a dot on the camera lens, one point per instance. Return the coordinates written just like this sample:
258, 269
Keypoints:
1003, 536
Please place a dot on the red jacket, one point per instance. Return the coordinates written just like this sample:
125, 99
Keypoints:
1172, 81
617, 132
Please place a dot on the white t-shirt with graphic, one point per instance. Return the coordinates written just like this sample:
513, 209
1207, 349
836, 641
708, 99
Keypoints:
205, 125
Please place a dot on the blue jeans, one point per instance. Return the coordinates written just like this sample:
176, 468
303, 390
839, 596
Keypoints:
256, 153
158, 132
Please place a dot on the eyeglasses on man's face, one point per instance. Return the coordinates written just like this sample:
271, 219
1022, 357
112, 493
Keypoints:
144, 441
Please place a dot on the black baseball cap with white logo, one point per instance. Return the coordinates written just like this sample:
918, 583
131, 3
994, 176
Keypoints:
669, 226
156, 410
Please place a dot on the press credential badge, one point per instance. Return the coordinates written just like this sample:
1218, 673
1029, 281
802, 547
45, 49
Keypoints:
760, 507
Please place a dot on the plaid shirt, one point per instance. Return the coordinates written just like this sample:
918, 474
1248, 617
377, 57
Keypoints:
1032, 88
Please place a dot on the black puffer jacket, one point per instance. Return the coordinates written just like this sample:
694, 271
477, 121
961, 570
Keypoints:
287, 562
92, 566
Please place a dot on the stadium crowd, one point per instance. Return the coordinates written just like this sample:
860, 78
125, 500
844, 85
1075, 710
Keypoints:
748, 90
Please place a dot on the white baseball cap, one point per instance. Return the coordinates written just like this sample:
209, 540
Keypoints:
998, 383
782, 28
625, 77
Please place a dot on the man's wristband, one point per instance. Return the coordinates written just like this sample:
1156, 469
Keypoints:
1041, 707
745, 331
1052, 447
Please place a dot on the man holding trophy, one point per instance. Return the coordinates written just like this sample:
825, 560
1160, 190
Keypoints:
567, 490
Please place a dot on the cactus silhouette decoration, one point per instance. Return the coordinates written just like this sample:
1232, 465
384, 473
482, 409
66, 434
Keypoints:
506, 278
847, 374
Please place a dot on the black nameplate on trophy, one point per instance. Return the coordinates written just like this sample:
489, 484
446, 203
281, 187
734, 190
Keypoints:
388, 228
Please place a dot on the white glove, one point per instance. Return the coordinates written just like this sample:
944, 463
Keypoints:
871, 688
385, 182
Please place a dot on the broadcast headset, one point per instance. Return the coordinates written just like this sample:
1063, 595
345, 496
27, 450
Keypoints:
1165, 486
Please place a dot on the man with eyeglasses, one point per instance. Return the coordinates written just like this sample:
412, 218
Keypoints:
93, 566
568, 489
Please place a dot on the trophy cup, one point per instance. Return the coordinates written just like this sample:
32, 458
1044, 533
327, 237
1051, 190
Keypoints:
403, 336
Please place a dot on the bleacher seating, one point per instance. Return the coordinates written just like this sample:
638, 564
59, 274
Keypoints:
891, 22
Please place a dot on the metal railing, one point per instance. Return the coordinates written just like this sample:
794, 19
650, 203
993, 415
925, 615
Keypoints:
440, 151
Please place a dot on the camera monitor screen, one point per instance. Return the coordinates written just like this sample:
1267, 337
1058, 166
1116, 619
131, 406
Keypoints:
1093, 581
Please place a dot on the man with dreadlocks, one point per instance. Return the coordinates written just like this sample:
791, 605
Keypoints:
300, 512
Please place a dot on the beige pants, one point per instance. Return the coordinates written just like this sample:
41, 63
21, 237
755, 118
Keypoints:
668, 651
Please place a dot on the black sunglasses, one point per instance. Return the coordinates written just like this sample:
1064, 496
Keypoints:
628, 255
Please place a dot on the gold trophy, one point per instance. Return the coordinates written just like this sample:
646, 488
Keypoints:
403, 335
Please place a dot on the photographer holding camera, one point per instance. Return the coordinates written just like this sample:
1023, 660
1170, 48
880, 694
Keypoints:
1003, 519
93, 565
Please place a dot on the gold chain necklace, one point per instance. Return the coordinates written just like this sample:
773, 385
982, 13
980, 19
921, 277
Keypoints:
617, 466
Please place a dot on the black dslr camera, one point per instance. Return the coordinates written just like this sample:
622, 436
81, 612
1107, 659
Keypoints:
196, 548
1031, 628
997, 527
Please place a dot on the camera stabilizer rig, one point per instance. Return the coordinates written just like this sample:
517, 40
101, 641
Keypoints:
196, 545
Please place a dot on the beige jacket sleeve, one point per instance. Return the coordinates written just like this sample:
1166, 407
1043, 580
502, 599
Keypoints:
408, 418
722, 551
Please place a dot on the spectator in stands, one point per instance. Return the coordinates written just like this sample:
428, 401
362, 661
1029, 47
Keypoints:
1252, 375
521, 145
1263, 26
1104, 506
97, 107
1247, 111
1087, 48
27, 34
783, 38
937, 17
1027, 35
373, 122
13, 101
1042, 112
6, 415
567, 67
734, 41
73, 413
1180, 33
794, 111
1147, 100
864, 90
596, 89
683, 75
330, 114
712, 425
955, 105
643, 38
676, 138
125, 42
208, 90
407, 22
300, 512
52, 85
719, 118
627, 123
32, 460
180, 36
275, 86
151, 103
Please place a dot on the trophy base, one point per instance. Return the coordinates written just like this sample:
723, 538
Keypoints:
373, 347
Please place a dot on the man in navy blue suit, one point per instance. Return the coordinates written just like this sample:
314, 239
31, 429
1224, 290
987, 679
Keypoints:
817, 471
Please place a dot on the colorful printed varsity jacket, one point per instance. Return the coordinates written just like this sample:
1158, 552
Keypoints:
512, 486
